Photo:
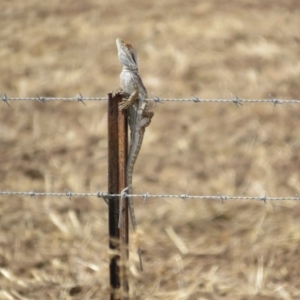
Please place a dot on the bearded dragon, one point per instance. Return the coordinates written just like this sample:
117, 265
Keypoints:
139, 117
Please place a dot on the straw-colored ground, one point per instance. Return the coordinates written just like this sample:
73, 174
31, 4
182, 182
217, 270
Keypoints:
53, 248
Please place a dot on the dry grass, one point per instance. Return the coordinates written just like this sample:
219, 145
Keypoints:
57, 249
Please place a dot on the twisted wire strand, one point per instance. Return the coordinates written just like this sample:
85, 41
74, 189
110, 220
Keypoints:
145, 196
79, 98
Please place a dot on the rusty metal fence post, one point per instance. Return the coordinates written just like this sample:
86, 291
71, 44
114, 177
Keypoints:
117, 158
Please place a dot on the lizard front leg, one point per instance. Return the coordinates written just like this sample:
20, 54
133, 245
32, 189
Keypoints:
131, 100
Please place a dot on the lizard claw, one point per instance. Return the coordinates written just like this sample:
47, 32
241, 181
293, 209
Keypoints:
117, 92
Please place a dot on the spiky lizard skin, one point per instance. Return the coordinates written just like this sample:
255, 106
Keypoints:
139, 117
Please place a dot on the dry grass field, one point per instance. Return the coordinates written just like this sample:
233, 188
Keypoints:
54, 248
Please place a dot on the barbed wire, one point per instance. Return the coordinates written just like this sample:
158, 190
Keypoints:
234, 99
79, 98
147, 195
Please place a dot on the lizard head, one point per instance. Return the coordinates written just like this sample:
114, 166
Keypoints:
127, 54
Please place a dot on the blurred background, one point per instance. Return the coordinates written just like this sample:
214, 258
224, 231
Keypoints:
54, 248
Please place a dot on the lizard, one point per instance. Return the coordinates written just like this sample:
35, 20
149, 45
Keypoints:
139, 116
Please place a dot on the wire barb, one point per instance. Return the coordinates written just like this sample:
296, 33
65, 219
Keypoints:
32, 194
41, 98
80, 98
157, 99
104, 196
184, 197
145, 197
223, 198
69, 194
264, 198
236, 100
4, 99
195, 99
275, 101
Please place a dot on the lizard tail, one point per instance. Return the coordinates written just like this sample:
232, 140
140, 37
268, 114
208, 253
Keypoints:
132, 216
